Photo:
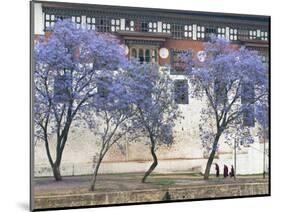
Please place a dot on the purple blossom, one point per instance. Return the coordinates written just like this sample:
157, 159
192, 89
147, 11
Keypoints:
68, 64
234, 82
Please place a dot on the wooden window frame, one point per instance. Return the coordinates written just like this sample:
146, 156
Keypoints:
252, 34
152, 58
181, 98
103, 24
200, 32
166, 27
264, 35
152, 26
248, 113
91, 22
188, 31
233, 34
129, 25
177, 31
115, 24
175, 63
221, 32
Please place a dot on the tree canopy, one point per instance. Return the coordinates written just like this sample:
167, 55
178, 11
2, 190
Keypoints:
233, 81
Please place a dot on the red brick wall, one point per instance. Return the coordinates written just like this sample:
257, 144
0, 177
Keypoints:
180, 44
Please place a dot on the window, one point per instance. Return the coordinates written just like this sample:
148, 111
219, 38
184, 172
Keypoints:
181, 91
154, 56
265, 58
144, 54
248, 95
129, 25
63, 86
166, 28
144, 26
188, 31
200, 32
220, 92
134, 53
177, 66
115, 25
264, 35
248, 116
243, 33
152, 26
147, 55
103, 24
49, 20
210, 31
252, 34
77, 20
141, 55
102, 87
221, 32
261, 35
233, 34
91, 21
177, 31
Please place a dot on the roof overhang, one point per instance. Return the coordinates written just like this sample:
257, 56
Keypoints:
255, 43
144, 35
143, 38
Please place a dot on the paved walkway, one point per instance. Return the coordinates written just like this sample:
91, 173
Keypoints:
128, 182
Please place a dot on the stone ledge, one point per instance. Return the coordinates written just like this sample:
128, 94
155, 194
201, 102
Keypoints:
152, 195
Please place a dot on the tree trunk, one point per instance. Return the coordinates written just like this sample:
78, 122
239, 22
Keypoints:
153, 165
263, 154
235, 158
56, 172
60, 148
211, 158
94, 178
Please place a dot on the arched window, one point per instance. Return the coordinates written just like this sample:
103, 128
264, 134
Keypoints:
144, 54
147, 55
153, 56
134, 53
141, 55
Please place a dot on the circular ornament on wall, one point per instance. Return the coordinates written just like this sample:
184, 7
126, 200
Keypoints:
163, 53
201, 55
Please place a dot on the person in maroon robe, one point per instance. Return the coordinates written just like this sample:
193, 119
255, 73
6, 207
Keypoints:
217, 170
231, 174
225, 171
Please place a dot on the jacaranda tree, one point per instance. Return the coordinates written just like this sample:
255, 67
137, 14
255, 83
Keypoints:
108, 115
66, 64
262, 113
135, 101
156, 110
232, 81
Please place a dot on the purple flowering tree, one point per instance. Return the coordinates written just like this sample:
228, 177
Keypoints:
262, 113
132, 102
232, 81
66, 65
156, 110
108, 115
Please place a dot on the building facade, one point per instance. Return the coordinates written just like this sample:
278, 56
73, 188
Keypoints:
158, 36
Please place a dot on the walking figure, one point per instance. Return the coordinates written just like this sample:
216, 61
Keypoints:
225, 171
217, 170
231, 173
